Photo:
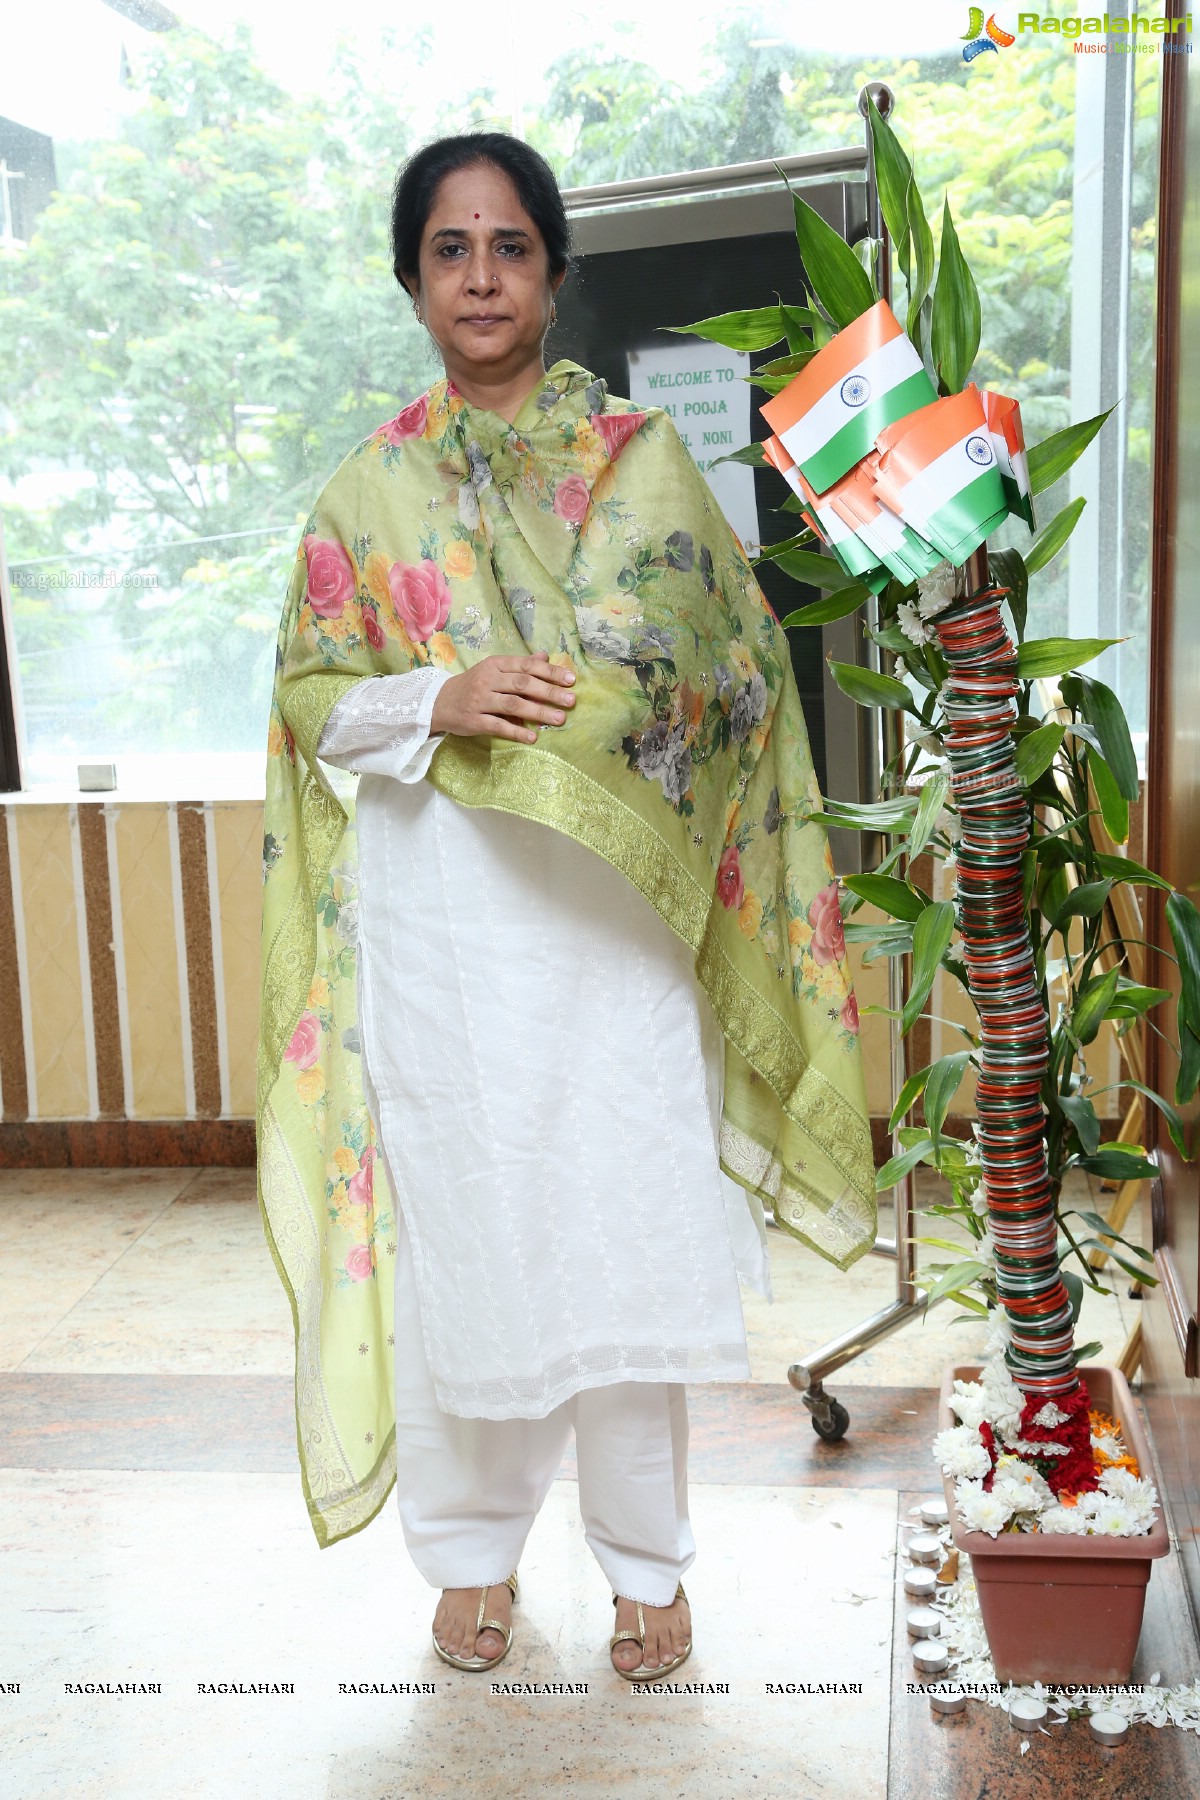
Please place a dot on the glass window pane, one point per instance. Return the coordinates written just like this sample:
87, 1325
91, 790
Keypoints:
195, 280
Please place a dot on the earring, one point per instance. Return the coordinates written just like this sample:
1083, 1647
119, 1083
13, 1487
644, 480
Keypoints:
417, 313
553, 312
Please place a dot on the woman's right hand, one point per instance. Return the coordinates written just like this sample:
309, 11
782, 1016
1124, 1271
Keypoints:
498, 696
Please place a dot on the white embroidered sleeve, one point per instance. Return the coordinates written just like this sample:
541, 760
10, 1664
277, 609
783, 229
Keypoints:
381, 727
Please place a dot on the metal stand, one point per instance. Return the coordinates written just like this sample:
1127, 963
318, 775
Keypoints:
830, 1419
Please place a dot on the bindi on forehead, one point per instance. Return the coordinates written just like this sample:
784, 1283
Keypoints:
476, 215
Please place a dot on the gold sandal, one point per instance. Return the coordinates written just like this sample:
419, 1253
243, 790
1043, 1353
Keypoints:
642, 1673
475, 1664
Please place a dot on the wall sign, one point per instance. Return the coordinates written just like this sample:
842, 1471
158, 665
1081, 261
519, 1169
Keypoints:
702, 387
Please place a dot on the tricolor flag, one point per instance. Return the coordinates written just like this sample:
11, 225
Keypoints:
851, 552
1008, 441
857, 503
938, 471
858, 557
864, 378
779, 459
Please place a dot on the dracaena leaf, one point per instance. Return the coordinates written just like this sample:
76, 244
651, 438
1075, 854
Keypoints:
931, 939
893, 172
1114, 808
1037, 750
1106, 716
922, 265
833, 606
1050, 540
869, 688
756, 328
957, 319
834, 273
816, 571
889, 894
1050, 460
750, 455
1041, 658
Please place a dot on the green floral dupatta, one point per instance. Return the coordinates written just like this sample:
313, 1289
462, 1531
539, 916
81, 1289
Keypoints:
583, 529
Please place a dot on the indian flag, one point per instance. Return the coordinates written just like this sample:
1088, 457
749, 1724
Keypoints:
779, 460
864, 378
938, 472
1008, 441
856, 556
851, 552
856, 501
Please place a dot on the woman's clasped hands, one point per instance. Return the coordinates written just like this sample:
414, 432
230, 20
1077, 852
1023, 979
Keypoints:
502, 696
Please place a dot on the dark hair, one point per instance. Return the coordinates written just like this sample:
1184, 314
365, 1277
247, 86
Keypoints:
418, 181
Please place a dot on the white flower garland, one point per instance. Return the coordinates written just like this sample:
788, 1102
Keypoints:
1020, 1498
935, 591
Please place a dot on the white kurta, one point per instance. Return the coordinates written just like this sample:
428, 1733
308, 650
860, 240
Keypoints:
544, 1073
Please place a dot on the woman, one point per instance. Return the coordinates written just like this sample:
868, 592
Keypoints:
569, 959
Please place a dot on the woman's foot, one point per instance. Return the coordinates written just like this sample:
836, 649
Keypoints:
668, 1631
457, 1611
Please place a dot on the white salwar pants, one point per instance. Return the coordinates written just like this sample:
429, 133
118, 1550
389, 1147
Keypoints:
524, 1013
469, 1489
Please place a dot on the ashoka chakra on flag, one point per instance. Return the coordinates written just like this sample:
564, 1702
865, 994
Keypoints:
861, 381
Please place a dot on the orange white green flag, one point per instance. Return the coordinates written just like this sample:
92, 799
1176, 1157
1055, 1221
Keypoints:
857, 503
1008, 441
863, 379
938, 471
779, 459
855, 557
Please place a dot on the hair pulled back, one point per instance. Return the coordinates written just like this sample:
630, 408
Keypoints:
420, 177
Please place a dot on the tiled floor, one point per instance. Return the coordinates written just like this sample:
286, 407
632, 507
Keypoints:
164, 1271
154, 1532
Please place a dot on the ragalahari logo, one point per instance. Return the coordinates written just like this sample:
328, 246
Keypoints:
979, 37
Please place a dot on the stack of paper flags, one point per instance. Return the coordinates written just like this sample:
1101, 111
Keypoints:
853, 552
892, 477
939, 472
865, 511
1008, 441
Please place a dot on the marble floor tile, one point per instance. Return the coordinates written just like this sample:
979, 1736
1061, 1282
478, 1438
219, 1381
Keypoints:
815, 1303
220, 1184
93, 1184
978, 1753
746, 1434
192, 1579
61, 1231
167, 1270
196, 1292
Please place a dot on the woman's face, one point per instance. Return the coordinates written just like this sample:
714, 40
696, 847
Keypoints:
485, 286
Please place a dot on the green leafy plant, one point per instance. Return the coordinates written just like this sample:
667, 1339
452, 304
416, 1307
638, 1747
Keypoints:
1074, 758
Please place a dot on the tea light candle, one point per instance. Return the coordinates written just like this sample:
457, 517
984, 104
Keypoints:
947, 1698
924, 1547
924, 1622
1025, 1711
935, 1512
920, 1583
1109, 1727
931, 1656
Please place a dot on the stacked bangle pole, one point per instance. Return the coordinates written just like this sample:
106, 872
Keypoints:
979, 702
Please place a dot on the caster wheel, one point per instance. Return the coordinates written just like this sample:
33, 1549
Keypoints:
836, 1426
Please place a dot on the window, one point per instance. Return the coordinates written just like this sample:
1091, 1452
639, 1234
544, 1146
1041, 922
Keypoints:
200, 317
